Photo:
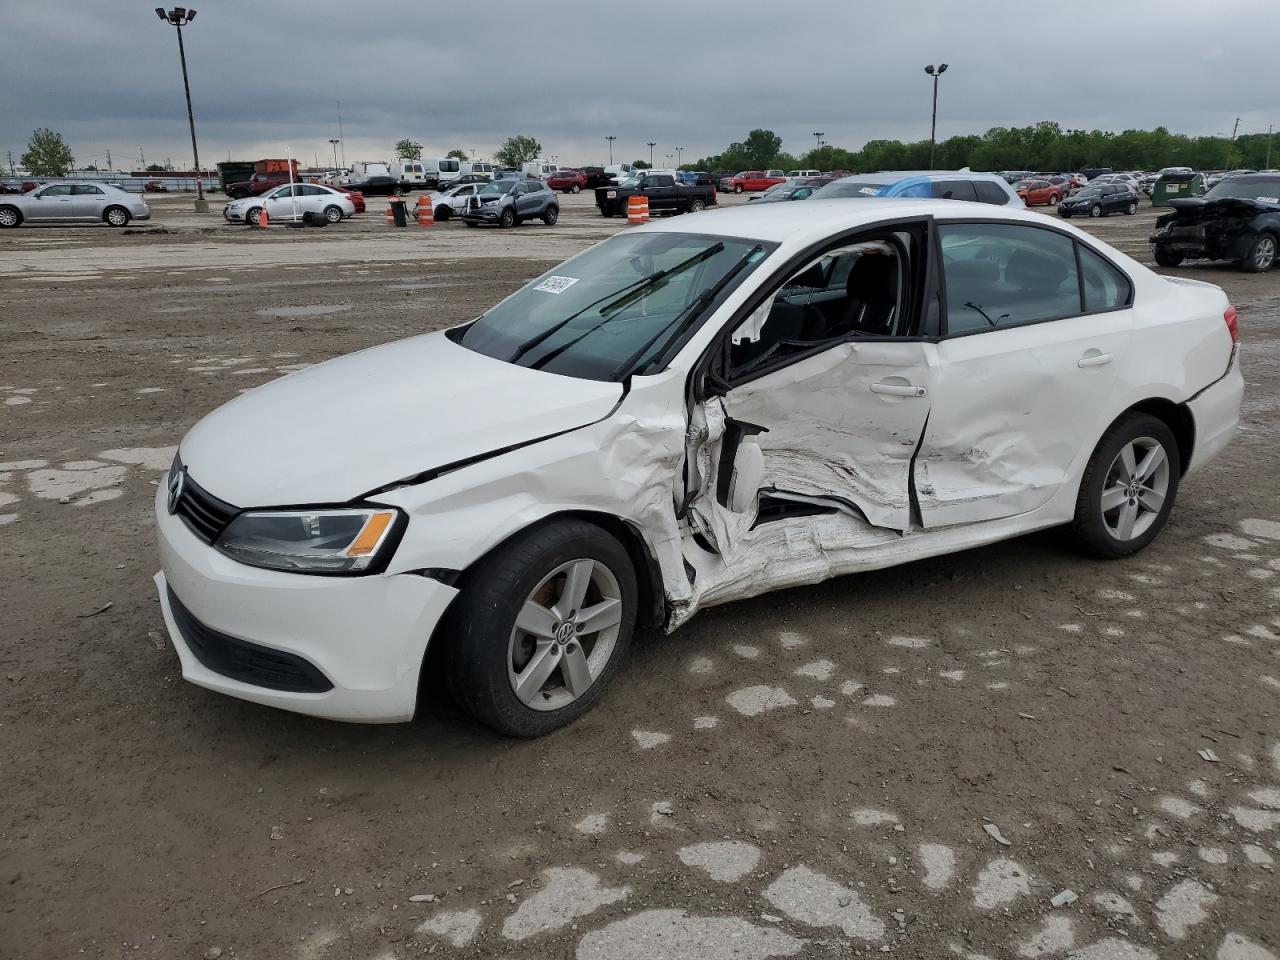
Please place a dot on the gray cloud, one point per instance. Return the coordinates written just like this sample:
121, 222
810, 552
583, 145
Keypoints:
267, 75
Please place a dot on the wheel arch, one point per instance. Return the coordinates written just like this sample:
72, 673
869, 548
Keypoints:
1176, 416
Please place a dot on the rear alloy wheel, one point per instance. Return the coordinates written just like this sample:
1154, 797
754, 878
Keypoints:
540, 628
697, 206
116, 216
1128, 488
1095, 210
508, 218
1262, 255
9, 217
1132, 208
551, 216
333, 213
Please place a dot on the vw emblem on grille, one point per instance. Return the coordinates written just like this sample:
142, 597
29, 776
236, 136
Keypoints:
176, 479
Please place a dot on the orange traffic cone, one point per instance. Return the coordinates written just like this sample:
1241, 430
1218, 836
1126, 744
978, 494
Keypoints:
263, 219
391, 217
426, 212
637, 209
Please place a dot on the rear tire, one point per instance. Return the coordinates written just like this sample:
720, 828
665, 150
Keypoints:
551, 216
116, 216
333, 213
697, 206
10, 217
1120, 509
1262, 254
488, 652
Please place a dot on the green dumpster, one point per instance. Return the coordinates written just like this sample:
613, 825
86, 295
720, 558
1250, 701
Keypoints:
1174, 185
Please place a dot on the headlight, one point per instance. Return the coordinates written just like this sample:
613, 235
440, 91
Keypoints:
314, 541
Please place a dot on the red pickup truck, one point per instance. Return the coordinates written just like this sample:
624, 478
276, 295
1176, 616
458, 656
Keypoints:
751, 181
258, 184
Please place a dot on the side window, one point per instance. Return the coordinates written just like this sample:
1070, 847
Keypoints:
954, 190
1005, 275
854, 290
989, 192
86, 190
57, 190
1105, 287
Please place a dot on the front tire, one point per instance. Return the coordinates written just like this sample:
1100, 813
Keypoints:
253, 217
1132, 208
576, 188
1261, 256
508, 219
737, 188
116, 216
541, 627
1128, 488
1166, 257
443, 213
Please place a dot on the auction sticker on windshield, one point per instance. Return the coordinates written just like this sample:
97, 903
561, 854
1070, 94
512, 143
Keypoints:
870, 191
1269, 199
556, 284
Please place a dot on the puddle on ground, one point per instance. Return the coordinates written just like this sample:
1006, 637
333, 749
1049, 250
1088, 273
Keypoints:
315, 310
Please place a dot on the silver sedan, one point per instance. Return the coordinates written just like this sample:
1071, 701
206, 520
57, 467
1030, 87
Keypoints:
74, 203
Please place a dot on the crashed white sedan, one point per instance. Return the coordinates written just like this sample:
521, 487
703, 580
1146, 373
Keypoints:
691, 412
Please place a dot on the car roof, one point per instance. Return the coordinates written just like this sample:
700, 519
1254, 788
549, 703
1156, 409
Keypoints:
813, 220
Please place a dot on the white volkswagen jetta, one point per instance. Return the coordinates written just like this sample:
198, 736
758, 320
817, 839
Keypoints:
688, 413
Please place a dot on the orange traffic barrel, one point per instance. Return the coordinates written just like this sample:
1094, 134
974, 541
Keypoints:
637, 209
426, 212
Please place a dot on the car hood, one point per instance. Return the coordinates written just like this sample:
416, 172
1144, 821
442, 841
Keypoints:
338, 430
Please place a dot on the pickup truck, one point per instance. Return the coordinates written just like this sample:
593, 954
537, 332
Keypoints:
752, 181
258, 184
665, 195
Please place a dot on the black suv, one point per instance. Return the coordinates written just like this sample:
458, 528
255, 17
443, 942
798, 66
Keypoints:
1239, 219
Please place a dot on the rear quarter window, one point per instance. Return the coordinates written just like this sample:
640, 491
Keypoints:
989, 192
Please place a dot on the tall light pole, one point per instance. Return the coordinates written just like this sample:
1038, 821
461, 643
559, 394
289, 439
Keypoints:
334, 141
1265, 166
679, 156
933, 126
652, 144
611, 138
817, 136
180, 17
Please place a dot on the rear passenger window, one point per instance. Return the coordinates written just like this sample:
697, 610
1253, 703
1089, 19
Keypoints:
1105, 287
1006, 275
954, 190
989, 192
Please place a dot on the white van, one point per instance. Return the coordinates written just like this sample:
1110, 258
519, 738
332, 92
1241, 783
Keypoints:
618, 172
482, 167
538, 168
438, 170
803, 173
410, 174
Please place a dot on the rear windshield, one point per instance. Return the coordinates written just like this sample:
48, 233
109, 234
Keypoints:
845, 188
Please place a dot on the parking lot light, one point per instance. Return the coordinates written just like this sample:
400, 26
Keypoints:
611, 138
933, 126
179, 17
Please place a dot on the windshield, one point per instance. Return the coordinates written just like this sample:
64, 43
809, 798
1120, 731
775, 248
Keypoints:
496, 188
1262, 189
850, 188
614, 307
629, 182
1090, 192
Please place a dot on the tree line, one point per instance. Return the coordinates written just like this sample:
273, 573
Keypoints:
1041, 146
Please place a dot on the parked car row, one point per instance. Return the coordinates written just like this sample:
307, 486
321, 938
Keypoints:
78, 202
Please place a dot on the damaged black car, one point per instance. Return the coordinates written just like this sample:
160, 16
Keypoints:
1239, 219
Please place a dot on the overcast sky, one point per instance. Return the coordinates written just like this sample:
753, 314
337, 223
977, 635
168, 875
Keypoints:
266, 75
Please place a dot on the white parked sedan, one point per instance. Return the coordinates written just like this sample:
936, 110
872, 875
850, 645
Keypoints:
76, 202
691, 412
293, 201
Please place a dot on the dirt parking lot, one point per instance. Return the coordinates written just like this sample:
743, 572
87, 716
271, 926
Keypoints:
920, 762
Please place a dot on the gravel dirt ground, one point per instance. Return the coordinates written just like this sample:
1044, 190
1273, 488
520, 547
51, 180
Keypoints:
920, 761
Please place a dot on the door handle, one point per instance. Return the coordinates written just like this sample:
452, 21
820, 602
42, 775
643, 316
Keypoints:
899, 389
1093, 359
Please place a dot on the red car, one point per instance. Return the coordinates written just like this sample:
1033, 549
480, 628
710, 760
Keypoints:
750, 181
568, 180
1035, 192
357, 198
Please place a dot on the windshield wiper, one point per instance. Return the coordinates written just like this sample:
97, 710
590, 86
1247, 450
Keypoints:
626, 296
685, 316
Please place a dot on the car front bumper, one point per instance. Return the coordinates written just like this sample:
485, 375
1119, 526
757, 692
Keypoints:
365, 636
1207, 240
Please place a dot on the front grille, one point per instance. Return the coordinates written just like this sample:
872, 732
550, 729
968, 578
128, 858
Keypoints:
244, 661
203, 513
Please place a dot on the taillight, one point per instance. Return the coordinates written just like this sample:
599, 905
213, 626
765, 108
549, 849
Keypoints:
1233, 324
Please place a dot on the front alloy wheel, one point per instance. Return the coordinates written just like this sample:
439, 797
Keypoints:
540, 627
564, 635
